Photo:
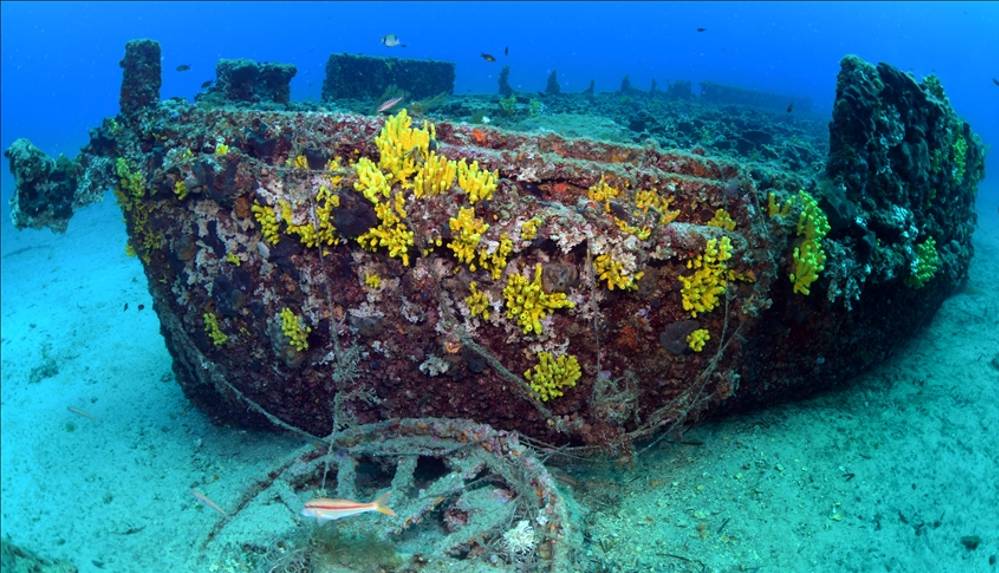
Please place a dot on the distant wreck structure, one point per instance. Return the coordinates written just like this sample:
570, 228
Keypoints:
357, 77
581, 293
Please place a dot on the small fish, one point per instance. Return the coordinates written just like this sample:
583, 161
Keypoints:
389, 104
325, 509
142, 306
488, 57
995, 81
206, 84
80, 412
183, 68
790, 107
506, 51
392, 41
126, 307
702, 29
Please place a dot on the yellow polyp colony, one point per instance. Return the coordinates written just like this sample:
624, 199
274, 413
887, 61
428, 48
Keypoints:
651, 200
809, 257
528, 303
613, 272
722, 220
777, 209
391, 232
642, 233
371, 182
467, 231
180, 189
334, 168
477, 301
214, 330
233, 259
298, 162
552, 375
495, 261
321, 231
435, 177
702, 290
478, 183
698, 338
401, 147
372, 280
267, 219
529, 230
602, 192
295, 330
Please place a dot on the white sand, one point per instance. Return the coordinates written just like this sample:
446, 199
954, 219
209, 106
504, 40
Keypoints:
113, 493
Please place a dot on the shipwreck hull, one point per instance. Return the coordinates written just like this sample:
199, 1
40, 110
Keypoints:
260, 319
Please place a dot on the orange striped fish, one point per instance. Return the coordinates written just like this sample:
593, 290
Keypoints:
325, 509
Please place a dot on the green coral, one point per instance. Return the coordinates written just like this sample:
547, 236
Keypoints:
809, 256
214, 330
959, 154
698, 338
926, 264
528, 303
295, 330
551, 375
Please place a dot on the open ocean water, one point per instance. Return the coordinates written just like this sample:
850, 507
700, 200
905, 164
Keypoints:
108, 466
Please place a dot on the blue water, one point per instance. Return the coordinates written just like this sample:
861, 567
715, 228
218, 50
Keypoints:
59, 77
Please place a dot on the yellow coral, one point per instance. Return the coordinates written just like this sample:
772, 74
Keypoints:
401, 147
552, 375
478, 183
267, 219
698, 338
529, 230
373, 280
642, 233
776, 208
295, 330
233, 259
809, 256
722, 220
467, 231
321, 230
180, 189
613, 272
391, 233
371, 182
496, 261
602, 192
701, 290
221, 149
334, 167
651, 200
436, 176
213, 329
528, 303
477, 301
298, 162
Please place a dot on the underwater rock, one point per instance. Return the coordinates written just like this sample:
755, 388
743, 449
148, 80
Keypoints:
580, 292
356, 77
45, 187
14, 559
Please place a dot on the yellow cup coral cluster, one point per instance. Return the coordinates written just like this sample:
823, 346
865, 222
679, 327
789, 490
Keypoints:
477, 301
478, 183
401, 147
467, 230
723, 220
295, 330
436, 176
552, 375
702, 290
809, 256
214, 330
698, 338
528, 303
613, 272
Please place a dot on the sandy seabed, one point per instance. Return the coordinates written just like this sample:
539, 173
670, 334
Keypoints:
101, 450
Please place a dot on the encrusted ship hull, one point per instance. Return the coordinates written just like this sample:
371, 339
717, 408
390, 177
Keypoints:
576, 291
